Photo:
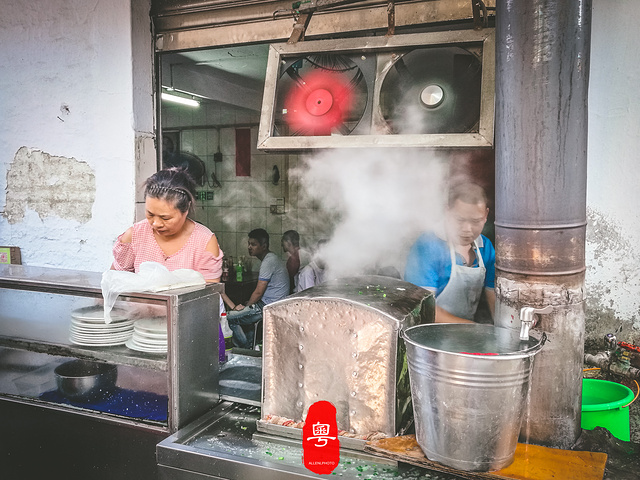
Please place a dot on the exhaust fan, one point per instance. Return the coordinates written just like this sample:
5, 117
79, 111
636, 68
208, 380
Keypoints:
187, 161
417, 90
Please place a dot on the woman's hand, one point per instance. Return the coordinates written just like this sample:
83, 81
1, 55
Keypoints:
238, 307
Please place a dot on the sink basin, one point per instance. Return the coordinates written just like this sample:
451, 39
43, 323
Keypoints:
240, 379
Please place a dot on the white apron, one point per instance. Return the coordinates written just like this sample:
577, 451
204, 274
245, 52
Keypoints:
462, 294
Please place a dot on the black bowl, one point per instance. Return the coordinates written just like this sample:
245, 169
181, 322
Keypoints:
85, 381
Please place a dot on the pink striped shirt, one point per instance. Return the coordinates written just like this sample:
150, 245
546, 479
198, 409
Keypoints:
144, 248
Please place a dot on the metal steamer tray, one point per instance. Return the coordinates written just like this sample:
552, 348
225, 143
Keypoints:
340, 342
294, 433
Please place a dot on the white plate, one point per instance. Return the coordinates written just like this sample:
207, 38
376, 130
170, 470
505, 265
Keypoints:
94, 339
147, 334
106, 336
134, 346
100, 334
152, 325
102, 324
150, 338
149, 346
95, 313
77, 333
126, 333
149, 341
99, 331
89, 344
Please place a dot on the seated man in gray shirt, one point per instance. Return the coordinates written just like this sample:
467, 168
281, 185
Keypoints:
273, 285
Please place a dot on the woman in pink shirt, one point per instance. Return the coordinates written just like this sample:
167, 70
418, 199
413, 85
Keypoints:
168, 236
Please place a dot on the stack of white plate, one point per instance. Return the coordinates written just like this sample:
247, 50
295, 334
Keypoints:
89, 329
149, 335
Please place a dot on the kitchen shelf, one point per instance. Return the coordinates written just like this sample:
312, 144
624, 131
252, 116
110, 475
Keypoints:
117, 354
36, 306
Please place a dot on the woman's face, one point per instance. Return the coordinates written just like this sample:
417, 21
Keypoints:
165, 219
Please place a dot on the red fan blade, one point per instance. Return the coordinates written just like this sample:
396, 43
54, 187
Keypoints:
319, 105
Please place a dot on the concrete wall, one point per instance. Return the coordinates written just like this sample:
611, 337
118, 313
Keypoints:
74, 129
613, 192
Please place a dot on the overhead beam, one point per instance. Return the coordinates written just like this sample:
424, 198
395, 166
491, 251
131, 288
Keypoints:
213, 84
184, 30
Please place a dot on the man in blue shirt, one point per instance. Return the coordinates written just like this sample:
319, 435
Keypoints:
273, 285
460, 265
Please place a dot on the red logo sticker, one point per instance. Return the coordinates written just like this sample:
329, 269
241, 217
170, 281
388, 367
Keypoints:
320, 444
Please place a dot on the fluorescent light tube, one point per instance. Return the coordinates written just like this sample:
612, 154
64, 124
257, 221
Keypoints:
182, 100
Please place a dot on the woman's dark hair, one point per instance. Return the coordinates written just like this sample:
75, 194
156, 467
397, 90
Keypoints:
173, 185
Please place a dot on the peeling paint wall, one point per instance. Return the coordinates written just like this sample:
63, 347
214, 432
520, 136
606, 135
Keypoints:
613, 194
613, 298
78, 126
50, 186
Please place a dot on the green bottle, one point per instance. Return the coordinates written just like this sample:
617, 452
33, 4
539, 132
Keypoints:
239, 272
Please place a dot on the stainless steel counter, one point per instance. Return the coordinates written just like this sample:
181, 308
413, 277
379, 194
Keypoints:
46, 433
225, 444
240, 379
36, 307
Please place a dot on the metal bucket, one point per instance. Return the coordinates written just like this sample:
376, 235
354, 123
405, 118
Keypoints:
469, 386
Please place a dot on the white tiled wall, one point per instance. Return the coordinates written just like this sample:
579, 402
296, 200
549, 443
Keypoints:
242, 203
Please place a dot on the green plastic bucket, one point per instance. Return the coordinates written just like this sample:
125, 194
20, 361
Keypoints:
604, 404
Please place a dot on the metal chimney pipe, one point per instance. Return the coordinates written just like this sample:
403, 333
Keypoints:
542, 73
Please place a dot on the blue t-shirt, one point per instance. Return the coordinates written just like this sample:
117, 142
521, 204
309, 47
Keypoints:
274, 271
429, 262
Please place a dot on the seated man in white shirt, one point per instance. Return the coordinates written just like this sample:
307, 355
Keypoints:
314, 272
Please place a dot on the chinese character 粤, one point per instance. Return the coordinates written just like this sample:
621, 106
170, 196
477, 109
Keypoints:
321, 434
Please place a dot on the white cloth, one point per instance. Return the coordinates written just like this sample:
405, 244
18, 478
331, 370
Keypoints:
305, 259
152, 277
309, 276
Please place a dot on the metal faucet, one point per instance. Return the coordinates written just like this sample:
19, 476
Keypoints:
611, 342
527, 320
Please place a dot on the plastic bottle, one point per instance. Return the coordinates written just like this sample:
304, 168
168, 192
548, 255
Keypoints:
239, 272
227, 335
222, 351
225, 270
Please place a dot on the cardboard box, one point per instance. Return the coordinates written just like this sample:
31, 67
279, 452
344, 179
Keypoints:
10, 255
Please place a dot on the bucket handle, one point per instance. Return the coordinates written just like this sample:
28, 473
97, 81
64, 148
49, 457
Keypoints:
636, 396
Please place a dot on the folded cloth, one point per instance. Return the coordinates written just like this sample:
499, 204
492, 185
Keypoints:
151, 277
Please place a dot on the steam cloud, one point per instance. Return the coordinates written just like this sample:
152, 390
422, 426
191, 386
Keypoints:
380, 201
